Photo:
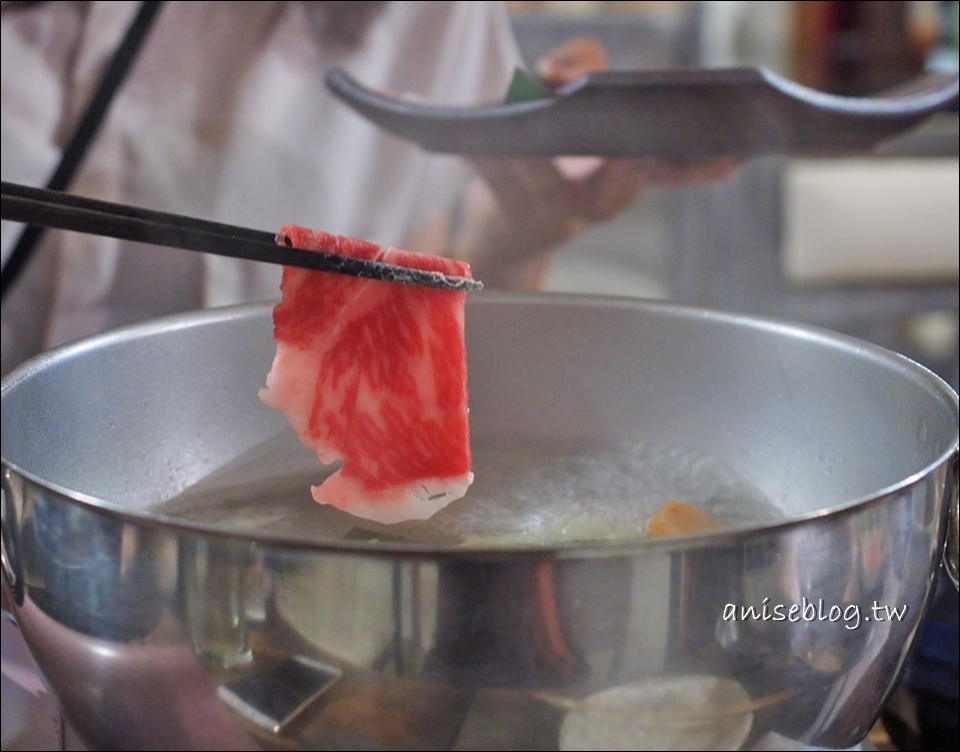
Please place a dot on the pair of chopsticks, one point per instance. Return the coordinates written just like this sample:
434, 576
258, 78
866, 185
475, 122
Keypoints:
64, 211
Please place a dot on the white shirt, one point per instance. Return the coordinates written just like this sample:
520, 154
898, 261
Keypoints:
224, 116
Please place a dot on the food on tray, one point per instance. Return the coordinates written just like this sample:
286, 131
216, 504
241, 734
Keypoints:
372, 374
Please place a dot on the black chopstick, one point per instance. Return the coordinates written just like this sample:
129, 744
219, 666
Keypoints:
40, 206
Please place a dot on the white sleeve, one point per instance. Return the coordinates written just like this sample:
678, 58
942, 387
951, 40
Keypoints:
37, 45
53, 55
36, 51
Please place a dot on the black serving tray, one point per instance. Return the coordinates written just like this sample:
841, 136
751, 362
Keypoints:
675, 114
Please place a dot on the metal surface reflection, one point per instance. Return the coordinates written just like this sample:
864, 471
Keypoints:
156, 628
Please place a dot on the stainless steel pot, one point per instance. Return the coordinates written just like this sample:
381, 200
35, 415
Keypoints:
285, 630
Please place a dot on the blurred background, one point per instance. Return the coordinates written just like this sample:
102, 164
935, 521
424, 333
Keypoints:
867, 246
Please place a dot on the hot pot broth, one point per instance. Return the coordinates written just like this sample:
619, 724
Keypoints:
528, 491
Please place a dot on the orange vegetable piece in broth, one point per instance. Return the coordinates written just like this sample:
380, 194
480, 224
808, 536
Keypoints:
681, 518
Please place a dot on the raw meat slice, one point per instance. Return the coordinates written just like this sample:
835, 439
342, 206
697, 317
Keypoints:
374, 374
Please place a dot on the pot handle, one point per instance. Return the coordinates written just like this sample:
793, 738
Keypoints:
9, 559
951, 552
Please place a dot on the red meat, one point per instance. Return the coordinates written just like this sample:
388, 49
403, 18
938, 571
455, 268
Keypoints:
373, 374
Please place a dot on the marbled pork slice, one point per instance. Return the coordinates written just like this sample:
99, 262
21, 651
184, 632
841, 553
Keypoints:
373, 374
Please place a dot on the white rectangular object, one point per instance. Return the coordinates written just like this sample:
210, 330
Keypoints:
871, 220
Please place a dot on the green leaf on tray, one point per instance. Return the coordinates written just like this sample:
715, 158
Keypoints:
526, 86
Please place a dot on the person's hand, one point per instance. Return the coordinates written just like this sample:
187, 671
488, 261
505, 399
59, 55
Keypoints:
512, 220
523, 209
